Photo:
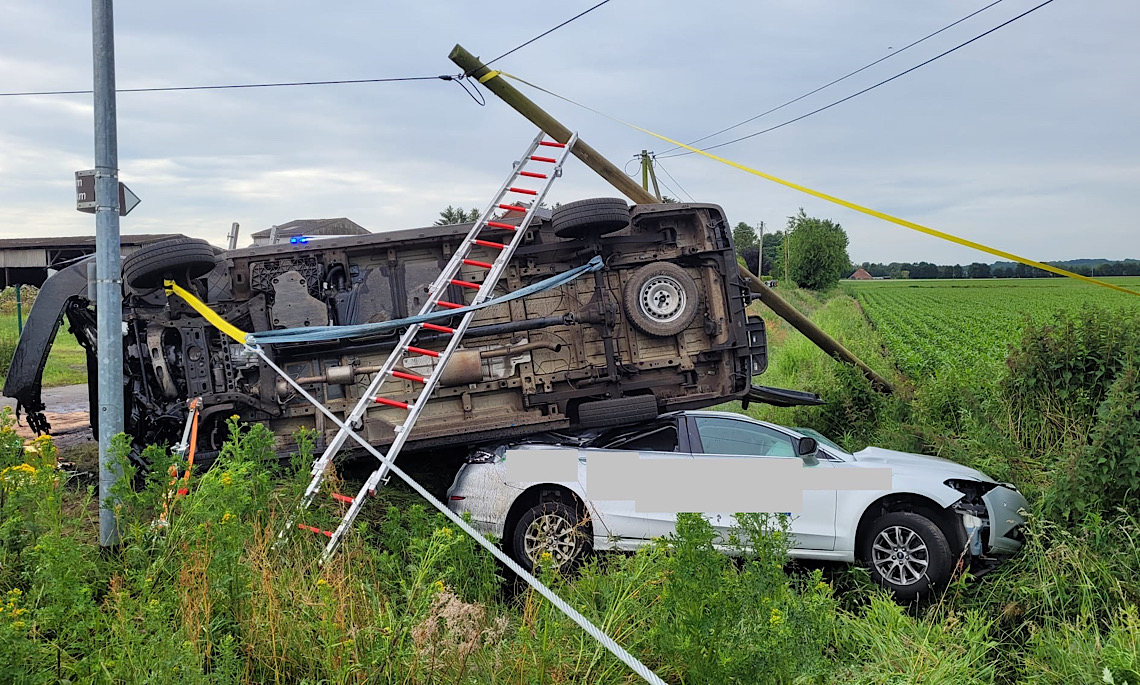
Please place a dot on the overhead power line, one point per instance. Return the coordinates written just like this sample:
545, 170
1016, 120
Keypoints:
841, 78
675, 181
443, 77
545, 33
870, 88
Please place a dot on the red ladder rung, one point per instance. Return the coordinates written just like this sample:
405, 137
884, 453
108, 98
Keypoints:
524, 191
500, 224
532, 174
409, 376
420, 350
551, 143
391, 403
513, 208
341, 498
475, 262
465, 284
488, 243
450, 305
434, 327
318, 531
536, 158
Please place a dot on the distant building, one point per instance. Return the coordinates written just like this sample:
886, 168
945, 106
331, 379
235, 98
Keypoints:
29, 261
313, 228
861, 275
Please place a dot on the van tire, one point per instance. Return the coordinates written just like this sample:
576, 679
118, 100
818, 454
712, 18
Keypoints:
661, 299
594, 216
181, 259
617, 412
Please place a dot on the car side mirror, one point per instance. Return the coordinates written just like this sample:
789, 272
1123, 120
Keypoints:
806, 449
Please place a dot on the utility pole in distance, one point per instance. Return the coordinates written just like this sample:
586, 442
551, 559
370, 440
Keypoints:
108, 264
760, 265
787, 255
647, 173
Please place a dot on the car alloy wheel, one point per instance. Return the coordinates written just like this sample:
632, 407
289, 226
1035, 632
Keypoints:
551, 533
900, 555
555, 528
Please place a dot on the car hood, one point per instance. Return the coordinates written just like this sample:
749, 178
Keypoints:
905, 461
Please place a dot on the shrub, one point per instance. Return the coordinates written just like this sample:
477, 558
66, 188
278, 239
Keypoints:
1061, 371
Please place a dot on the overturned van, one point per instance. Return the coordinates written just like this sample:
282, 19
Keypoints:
662, 326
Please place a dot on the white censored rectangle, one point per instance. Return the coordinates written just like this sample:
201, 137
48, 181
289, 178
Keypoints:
721, 484
542, 466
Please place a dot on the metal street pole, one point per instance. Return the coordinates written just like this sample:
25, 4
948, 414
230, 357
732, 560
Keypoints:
108, 268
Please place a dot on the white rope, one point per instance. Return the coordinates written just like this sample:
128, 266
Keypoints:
595, 632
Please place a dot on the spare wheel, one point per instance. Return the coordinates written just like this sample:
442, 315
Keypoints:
595, 216
660, 299
181, 259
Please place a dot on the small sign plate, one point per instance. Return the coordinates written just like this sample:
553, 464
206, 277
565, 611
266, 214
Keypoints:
85, 194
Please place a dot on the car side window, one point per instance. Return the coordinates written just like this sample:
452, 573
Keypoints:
730, 436
656, 438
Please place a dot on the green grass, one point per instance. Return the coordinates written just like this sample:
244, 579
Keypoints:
209, 599
66, 364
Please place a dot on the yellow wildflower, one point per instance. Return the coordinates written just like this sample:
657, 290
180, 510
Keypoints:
321, 582
545, 556
440, 586
777, 618
18, 625
227, 517
17, 473
227, 478
445, 531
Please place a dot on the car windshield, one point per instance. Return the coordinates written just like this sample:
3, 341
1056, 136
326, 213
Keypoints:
820, 437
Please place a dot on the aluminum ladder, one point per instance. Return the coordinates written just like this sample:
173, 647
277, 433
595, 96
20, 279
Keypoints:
552, 169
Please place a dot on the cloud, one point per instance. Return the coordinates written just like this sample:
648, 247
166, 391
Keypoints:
1023, 139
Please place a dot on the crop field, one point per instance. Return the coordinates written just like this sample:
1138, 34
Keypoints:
931, 326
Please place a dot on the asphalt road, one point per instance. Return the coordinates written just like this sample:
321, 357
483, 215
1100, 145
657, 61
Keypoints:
66, 399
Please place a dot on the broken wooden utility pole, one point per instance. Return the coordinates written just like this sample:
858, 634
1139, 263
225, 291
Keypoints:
474, 68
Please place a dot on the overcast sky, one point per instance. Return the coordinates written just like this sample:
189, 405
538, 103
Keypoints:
1023, 140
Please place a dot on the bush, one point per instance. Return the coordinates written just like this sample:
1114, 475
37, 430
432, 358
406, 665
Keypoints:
1105, 473
1060, 372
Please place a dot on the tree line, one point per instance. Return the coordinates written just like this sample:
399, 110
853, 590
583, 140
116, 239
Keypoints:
1129, 267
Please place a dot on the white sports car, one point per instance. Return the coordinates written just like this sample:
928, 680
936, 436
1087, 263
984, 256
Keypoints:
910, 525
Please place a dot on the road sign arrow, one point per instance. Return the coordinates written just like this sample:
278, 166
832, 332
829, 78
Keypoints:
127, 199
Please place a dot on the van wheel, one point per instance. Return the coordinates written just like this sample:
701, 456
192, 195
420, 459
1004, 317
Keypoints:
552, 528
181, 259
617, 412
660, 299
595, 216
907, 554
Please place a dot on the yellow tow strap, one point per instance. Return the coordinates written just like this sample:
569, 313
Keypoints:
210, 315
830, 198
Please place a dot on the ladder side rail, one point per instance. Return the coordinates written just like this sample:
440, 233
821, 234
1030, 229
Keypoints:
436, 291
485, 291
430, 383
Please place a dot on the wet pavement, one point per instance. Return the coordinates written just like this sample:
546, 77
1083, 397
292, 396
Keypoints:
67, 410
